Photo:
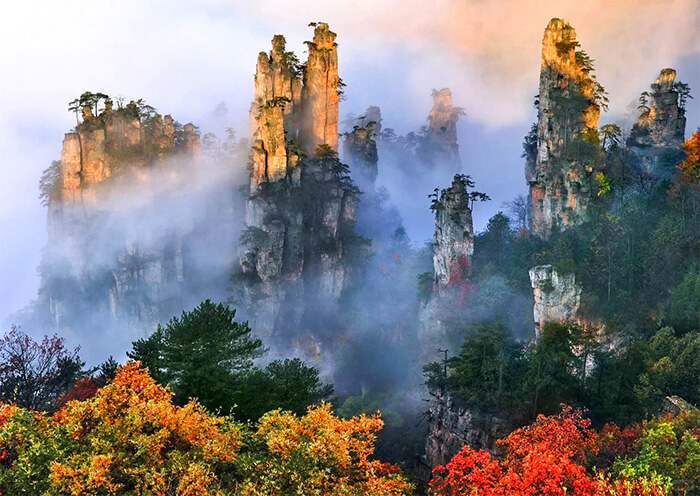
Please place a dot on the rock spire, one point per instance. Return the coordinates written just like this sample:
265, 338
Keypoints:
567, 149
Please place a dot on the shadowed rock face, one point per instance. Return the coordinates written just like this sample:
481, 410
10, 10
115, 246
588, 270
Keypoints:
560, 178
453, 247
360, 151
453, 241
301, 208
452, 427
659, 133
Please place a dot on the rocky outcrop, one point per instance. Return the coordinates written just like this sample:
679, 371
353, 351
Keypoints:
440, 147
320, 91
557, 296
360, 152
453, 247
567, 143
453, 241
659, 133
300, 213
452, 426
93, 262
675, 405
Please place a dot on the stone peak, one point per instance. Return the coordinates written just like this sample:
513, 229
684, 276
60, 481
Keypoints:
559, 45
323, 36
442, 97
557, 24
278, 43
665, 80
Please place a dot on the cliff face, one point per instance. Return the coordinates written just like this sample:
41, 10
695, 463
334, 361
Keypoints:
453, 241
453, 247
659, 133
91, 263
360, 152
557, 296
300, 214
567, 119
320, 91
452, 427
440, 147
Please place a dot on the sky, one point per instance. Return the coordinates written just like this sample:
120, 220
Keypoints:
185, 57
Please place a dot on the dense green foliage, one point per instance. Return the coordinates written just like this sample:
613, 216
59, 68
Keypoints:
495, 373
206, 354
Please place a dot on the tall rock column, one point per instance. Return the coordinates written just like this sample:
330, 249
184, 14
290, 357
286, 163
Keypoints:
320, 91
275, 111
300, 214
453, 247
557, 296
442, 130
659, 133
453, 241
567, 144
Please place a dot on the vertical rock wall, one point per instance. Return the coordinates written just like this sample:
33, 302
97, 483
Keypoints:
452, 427
301, 209
659, 133
560, 182
320, 91
557, 296
453, 241
453, 247
88, 268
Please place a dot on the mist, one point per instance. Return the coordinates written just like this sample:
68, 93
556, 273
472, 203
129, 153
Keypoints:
187, 57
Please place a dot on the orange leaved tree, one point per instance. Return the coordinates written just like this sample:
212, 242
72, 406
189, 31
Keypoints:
547, 458
130, 439
127, 439
318, 454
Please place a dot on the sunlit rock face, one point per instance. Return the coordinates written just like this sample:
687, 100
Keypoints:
659, 133
276, 110
300, 212
560, 178
93, 263
557, 296
320, 91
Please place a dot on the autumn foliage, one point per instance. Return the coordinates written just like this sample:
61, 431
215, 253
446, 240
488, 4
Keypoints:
319, 454
557, 456
129, 438
690, 167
